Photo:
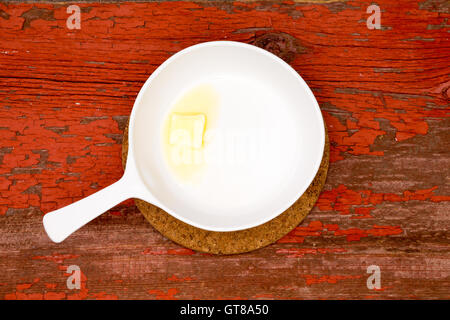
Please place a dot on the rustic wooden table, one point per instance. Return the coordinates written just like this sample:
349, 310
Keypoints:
65, 97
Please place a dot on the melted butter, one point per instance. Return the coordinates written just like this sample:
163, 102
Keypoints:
186, 160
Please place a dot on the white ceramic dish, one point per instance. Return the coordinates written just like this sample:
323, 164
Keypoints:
256, 90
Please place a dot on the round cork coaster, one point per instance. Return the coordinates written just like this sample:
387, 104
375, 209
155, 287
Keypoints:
235, 241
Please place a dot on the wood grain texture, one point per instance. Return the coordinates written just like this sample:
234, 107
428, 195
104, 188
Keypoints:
65, 97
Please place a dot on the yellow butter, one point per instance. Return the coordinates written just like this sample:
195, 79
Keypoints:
185, 127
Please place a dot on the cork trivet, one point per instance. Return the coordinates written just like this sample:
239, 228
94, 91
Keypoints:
235, 241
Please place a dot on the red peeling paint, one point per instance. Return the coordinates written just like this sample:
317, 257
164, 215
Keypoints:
352, 234
10, 296
115, 213
57, 258
23, 286
313, 279
355, 234
383, 288
54, 295
174, 278
104, 296
314, 229
161, 295
361, 203
300, 252
231, 298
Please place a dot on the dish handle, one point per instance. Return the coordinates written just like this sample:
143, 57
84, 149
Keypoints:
61, 223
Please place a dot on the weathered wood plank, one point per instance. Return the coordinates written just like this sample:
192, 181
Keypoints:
65, 96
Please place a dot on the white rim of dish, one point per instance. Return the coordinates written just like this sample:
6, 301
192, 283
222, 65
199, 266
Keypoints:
283, 64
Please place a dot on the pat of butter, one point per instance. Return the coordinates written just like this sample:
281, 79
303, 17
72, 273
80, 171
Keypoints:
187, 130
